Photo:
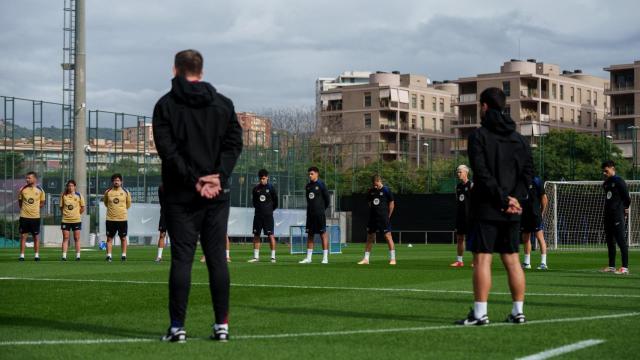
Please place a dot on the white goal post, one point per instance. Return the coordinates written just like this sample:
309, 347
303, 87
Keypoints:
574, 217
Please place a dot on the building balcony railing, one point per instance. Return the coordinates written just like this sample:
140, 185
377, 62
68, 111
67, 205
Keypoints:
528, 93
332, 108
621, 86
465, 120
467, 98
622, 135
622, 111
459, 145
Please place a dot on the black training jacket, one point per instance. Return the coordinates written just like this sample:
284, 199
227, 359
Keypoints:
196, 132
502, 166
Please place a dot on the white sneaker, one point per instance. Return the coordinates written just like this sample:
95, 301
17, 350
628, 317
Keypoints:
273, 260
363, 262
325, 261
305, 261
254, 260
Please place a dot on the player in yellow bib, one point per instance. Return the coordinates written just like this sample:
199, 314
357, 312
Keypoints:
72, 206
117, 200
30, 199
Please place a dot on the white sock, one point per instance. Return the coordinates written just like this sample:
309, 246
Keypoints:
273, 254
479, 309
109, 254
256, 253
64, 255
392, 254
124, 254
527, 258
37, 255
78, 255
228, 254
221, 327
309, 254
459, 258
366, 255
160, 253
174, 329
517, 308
21, 255
544, 259
325, 254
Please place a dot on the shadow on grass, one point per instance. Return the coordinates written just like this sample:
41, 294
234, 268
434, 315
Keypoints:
98, 330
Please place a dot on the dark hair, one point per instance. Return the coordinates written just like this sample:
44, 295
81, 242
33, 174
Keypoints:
375, 178
70, 181
262, 173
116, 176
188, 62
608, 163
313, 168
32, 173
494, 98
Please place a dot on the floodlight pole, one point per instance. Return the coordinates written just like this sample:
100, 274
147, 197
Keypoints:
79, 104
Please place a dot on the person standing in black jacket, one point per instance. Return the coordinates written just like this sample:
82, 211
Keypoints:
318, 200
199, 140
502, 171
265, 202
616, 209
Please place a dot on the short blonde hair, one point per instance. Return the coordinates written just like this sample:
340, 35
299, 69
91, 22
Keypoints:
463, 167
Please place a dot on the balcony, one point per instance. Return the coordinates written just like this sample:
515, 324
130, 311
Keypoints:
620, 87
528, 94
458, 145
465, 120
391, 126
622, 111
467, 98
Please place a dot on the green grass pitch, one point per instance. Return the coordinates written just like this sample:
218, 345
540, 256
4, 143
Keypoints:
293, 311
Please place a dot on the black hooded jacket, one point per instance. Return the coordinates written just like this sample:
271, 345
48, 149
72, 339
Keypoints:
502, 166
197, 133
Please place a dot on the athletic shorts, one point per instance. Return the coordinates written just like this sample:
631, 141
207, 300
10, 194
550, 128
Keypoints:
29, 226
494, 237
71, 226
530, 222
117, 227
162, 226
263, 224
462, 227
377, 224
316, 224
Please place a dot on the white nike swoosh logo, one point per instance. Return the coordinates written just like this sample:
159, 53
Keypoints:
278, 223
144, 221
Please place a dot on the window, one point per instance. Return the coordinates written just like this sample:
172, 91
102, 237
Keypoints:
595, 98
441, 125
579, 96
573, 115
580, 117
421, 102
561, 92
414, 101
433, 103
573, 90
561, 111
506, 87
553, 90
422, 122
367, 143
414, 120
595, 119
441, 105
367, 121
589, 97
367, 99
434, 124
554, 113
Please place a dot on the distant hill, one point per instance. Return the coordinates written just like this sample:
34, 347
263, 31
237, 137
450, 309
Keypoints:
54, 132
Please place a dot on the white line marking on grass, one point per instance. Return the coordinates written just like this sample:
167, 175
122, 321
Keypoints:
312, 287
562, 350
324, 333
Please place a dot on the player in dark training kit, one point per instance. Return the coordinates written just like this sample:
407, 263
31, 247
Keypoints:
616, 208
318, 201
531, 223
381, 205
265, 202
463, 210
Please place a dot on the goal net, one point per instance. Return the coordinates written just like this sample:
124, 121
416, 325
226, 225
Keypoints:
574, 217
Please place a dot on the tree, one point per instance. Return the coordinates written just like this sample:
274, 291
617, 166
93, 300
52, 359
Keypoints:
569, 155
12, 163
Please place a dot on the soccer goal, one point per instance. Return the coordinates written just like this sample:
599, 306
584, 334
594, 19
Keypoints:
574, 217
298, 240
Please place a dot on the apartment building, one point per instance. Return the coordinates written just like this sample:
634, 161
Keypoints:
540, 97
347, 78
256, 130
392, 117
624, 114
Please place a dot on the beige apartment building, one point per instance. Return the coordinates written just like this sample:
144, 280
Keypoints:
256, 130
540, 97
624, 93
392, 117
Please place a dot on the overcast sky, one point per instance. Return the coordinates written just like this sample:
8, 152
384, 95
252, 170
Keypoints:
269, 53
